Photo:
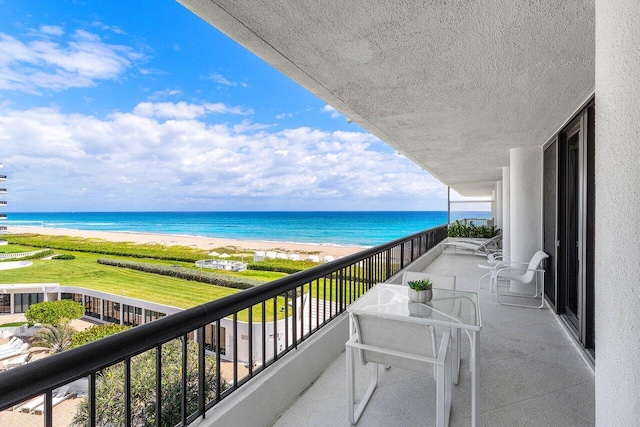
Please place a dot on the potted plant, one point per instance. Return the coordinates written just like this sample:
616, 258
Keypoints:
420, 290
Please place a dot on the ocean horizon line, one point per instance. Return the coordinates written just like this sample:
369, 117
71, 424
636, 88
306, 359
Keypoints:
346, 228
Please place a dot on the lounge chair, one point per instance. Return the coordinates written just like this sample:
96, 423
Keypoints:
15, 362
473, 247
14, 342
15, 352
62, 395
37, 405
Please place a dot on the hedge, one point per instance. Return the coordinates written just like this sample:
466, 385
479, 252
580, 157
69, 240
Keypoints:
281, 266
183, 273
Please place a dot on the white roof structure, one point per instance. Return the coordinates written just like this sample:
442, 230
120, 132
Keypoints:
313, 258
450, 85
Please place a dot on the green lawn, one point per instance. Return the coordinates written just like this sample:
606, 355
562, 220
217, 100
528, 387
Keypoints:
85, 272
12, 249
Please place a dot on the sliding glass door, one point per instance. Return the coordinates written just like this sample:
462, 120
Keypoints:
573, 200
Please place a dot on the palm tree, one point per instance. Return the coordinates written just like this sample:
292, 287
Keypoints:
56, 338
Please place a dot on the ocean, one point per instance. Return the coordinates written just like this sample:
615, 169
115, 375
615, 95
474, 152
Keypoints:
335, 228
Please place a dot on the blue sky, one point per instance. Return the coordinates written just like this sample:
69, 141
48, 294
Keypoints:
141, 105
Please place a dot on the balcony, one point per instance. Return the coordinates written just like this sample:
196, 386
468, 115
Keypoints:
530, 374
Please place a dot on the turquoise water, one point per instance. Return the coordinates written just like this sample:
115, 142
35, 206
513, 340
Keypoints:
340, 228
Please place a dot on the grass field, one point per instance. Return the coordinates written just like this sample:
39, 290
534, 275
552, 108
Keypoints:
84, 271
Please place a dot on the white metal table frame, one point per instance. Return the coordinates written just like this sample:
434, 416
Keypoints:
392, 301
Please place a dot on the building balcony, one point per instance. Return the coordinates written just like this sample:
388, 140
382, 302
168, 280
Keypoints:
3, 191
530, 371
530, 374
3, 178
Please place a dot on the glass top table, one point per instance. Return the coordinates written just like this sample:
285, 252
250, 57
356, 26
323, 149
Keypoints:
448, 308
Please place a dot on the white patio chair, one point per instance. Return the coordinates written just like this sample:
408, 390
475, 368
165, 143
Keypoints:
412, 346
524, 275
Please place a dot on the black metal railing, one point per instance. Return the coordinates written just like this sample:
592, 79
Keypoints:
272, 318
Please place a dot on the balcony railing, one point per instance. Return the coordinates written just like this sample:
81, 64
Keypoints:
286, 311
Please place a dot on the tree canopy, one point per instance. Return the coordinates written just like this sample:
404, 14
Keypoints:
54, 313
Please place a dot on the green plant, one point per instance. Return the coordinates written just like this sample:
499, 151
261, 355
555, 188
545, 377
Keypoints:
184, 273
458, 229
56, 338
110, 393
421, 285
64, 256
96, 332
54, 312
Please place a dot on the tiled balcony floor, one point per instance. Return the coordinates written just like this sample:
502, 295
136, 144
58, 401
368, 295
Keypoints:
530, 374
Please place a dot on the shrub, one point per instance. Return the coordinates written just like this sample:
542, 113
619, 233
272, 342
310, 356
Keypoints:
54, 313
110, 395
98, 246
281, 265
55, 338
457, 229
64, 256
95, 333
183, 273
40, 254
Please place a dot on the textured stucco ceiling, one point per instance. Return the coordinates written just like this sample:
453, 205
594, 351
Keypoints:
450, 84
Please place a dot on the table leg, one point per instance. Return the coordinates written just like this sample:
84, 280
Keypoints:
455, 344
475, 376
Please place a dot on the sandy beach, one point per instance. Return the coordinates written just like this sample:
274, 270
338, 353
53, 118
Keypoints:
206, 243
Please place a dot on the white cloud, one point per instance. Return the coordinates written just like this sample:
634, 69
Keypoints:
113, 28
138, 160
184, 111
46, 62
53, 30
330, 110
163, 94
220, 79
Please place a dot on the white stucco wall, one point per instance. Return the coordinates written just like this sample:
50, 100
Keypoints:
617, 238
525, 165
506, 212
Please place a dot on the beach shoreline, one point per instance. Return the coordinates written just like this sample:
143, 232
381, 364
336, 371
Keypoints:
201, 242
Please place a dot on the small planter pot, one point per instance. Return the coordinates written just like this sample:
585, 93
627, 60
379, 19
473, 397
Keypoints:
420, 296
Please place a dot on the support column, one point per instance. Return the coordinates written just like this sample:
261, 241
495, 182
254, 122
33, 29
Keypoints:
506, 213
526, 202
498, 193
617, 209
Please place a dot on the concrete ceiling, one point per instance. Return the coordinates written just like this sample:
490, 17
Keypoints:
452, 85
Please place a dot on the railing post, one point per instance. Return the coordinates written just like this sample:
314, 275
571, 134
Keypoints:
388, 264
